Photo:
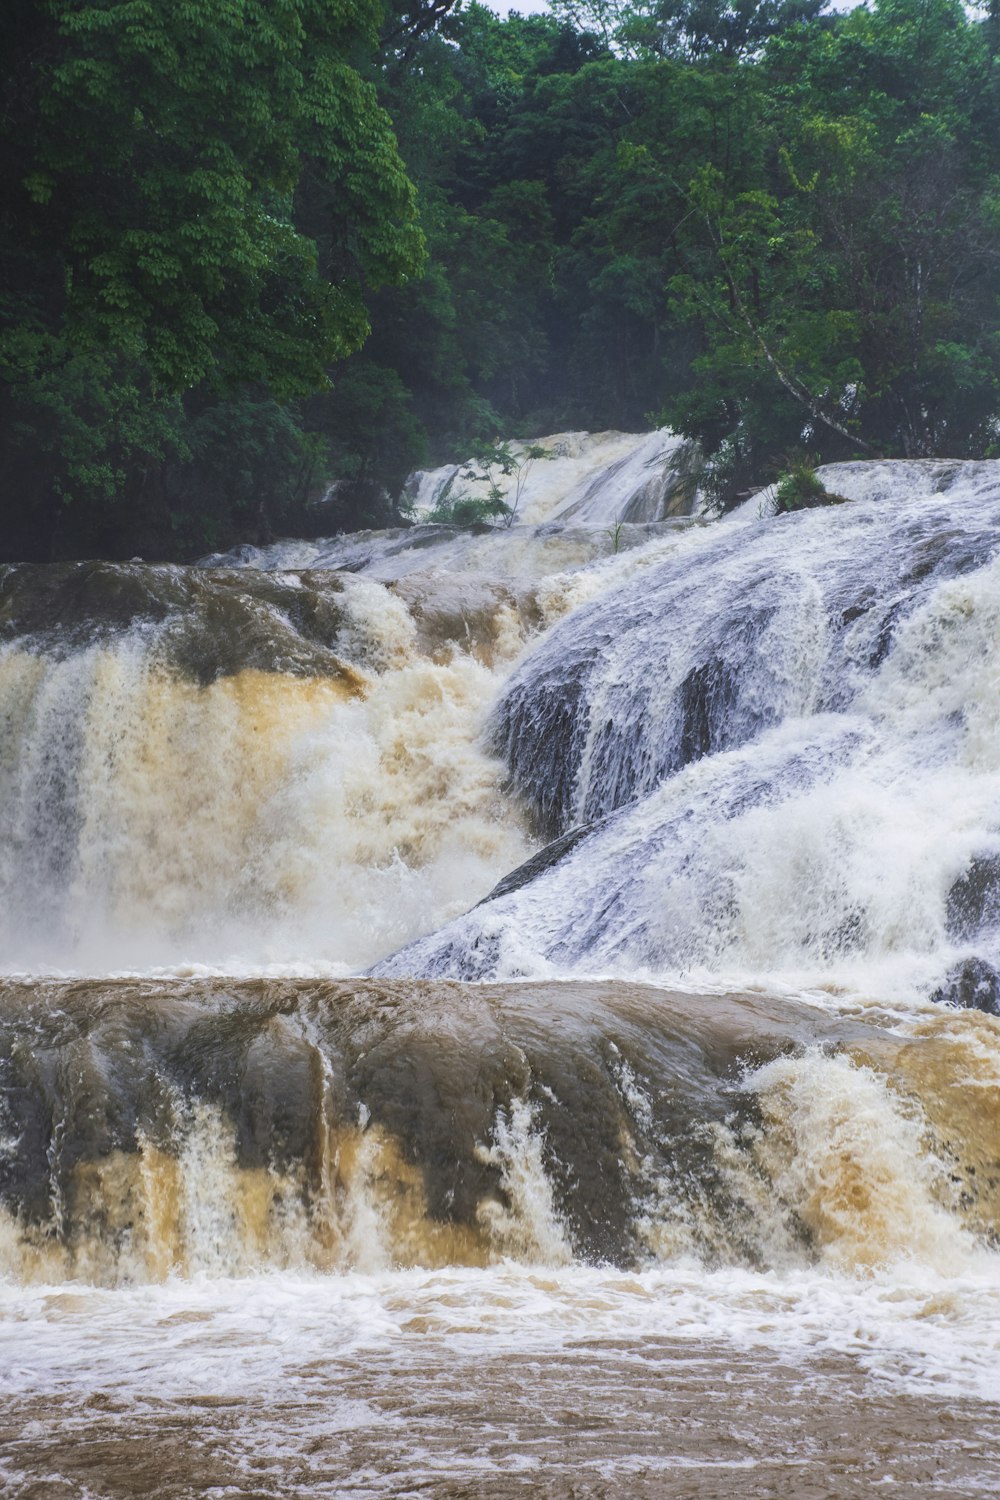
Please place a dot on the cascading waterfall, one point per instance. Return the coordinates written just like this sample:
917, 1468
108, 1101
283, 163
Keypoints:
779, 745
254, 775
221, 1125
553, 934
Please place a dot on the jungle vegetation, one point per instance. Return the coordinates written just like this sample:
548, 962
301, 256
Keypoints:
258, 252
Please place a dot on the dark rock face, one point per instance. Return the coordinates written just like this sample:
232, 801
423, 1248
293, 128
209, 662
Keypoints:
545, 859
971, 985
203, 624
708, 648
974, 899
621, 1084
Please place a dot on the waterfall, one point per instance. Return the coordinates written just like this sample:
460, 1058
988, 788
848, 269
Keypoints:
506, 972
222, 1126
778, 744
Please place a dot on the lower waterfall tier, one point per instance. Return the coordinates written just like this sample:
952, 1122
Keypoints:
152, 1127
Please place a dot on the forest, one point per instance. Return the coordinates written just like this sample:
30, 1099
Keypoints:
261, 258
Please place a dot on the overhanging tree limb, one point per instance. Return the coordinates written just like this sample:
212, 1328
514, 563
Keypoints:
795, 387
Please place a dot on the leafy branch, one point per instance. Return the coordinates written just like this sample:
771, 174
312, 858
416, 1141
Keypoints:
490, 465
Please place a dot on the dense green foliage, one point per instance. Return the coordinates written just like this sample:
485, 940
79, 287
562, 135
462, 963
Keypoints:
248, 247
800, 488
197, 199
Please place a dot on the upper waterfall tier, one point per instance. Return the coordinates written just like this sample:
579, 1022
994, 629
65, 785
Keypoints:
772, 740
590, 495
596, 478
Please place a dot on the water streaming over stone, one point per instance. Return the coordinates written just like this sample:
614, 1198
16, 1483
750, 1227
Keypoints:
204, 766
156, 1126
672, 849
778, 748
603, 477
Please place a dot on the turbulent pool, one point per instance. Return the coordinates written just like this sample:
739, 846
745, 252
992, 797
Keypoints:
509, 1012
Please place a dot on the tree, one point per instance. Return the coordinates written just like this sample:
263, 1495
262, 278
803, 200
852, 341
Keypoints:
846, 291
153, 159
770, 227
694, 30
195, 192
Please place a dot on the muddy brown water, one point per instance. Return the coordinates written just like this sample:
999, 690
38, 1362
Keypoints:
604, 1419
172, 1125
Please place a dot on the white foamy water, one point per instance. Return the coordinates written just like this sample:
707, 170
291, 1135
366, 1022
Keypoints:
919, 1333
280, 820
584, 477
790, 729
262, 818
505, 1383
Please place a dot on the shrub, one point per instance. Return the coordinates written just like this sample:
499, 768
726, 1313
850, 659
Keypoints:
800, 488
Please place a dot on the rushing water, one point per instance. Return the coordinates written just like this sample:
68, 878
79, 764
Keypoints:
509, 1012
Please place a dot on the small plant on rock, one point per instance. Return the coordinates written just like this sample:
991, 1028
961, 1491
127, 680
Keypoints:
499, 505
615, 533
800, 488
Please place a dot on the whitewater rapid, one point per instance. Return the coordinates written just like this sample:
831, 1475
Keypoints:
776, 747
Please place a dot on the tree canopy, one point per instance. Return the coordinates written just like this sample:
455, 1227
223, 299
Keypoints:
201, 192
249, 247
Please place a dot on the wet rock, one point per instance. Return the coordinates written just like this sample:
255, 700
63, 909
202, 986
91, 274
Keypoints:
974, 899
469, 611
562, 1102
706, 648
204, 624
544, 860
973, 984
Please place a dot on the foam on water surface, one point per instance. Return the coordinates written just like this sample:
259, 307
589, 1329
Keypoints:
502, 1382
